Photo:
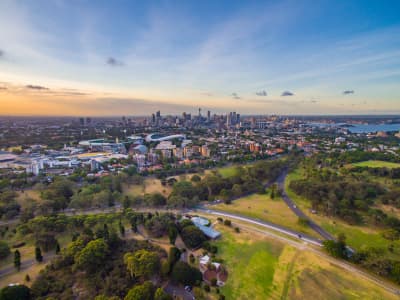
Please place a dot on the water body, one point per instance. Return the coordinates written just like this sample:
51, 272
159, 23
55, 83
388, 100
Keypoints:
365, 128
374, 128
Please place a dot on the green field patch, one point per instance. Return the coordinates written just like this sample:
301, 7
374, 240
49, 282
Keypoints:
377, 164
250, 264
264, 208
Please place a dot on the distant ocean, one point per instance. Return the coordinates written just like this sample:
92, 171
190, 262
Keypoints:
363, 128
373, 128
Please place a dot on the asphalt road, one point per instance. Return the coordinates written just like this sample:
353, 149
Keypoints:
272, 226
281, 184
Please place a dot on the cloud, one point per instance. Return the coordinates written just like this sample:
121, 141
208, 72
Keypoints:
348, 92
287, 93
1, 53
111, 61
36, 87
262, 93
235, 96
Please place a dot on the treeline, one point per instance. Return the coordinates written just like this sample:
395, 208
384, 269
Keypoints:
373, 259
392, 173
359, 155
338, 195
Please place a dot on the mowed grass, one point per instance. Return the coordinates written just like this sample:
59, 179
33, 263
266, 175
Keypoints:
264, 208
228, 171
263, 268
377, 164
250, 262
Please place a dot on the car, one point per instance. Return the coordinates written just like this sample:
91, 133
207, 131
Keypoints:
188, 288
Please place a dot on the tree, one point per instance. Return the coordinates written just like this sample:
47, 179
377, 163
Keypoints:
15, 292
17, 259
185, 274
38, 254
4, 250
92, 256
58, 248
160, 294
174, 255
143, 291
121, 229
195, 178
172, 233
142, 263
192, 236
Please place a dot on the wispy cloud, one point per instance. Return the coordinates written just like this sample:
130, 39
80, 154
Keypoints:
262, 93
36, 87
287, 93
1, 53
348, 92
235, 96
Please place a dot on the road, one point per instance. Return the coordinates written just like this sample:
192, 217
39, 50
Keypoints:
281, 184
272, 226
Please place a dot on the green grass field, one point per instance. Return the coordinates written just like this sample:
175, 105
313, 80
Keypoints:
264, 208
377, 164
262, 268
228, 171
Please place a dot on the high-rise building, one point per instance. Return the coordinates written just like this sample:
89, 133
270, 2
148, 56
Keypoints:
208, 115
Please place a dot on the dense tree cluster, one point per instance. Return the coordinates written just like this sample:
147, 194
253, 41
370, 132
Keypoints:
336, 195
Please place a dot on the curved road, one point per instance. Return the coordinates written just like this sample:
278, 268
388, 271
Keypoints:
275, 227
281, 184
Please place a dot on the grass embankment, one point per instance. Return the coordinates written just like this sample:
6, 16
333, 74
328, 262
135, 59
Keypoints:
262, 268
264, 208
357, 237
377, 164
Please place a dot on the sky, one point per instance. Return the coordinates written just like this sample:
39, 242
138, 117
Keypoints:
100, 58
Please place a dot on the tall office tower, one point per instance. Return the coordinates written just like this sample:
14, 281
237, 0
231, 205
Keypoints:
237, 118
158, 114
228, 119
88, 120
184, 116
209, 115
82, 121
233, 118
199, 112
153, 118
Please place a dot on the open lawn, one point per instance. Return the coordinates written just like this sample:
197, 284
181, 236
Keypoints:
377, 164
262, 268
150, 185
228, 171
25, 198
264, 208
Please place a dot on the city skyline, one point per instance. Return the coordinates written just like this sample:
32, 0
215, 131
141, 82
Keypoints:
276, 57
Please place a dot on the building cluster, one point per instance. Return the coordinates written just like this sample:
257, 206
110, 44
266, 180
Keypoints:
59, 146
